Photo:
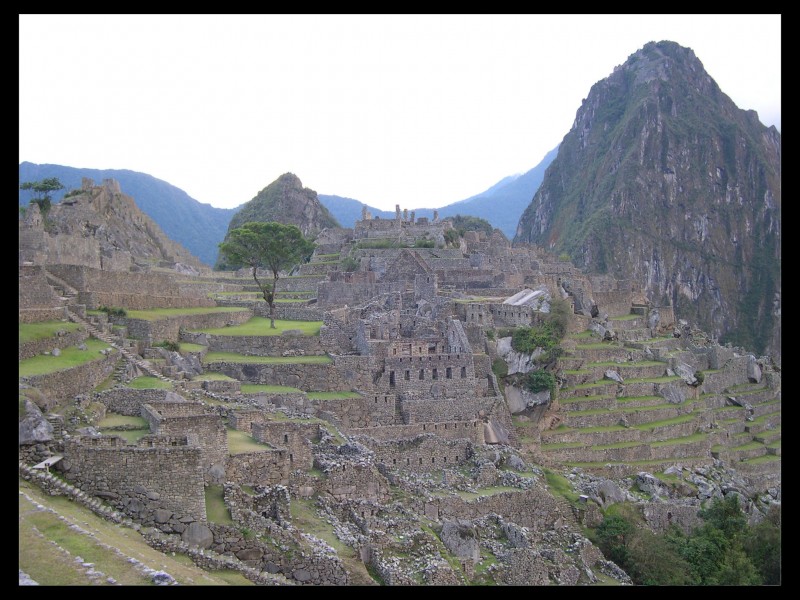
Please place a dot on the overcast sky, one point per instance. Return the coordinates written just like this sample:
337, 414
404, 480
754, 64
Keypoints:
416, 110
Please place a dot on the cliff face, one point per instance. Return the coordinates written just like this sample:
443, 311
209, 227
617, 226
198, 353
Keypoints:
664, 180
285, 200
99, 226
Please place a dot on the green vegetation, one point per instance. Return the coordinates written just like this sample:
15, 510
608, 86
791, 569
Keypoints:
539, 381
156, 314
273, 246
149, 383
44, 329
487, 491
108, 546
560, 485
69, 358
189, 347
216, 511
43, 190
464, 223
260, 326
113, 311
169, 345
266, 360
211, 376
724, 550
256, 388
240, 443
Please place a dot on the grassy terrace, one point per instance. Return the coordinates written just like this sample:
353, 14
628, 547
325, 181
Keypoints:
156, 314
44, 329
133, 428
239, 443
70, 357
767, 458
189, 347
630, 317
211, 376
149, 383
256, 388
598, 429
670, 442
216, 511
109, 547
260, 326
233, 357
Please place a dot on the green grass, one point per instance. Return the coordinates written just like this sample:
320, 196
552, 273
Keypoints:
664, 379
257, 388
211, 376
333, 395
643, 363
149, 383
630, 317
239, 443
47, 565
696, 437
189, 347
636, 463
115, 420
762, 459
70, 357
673, 421
639, 398
233, 357
597, 346
156, 314
260, 326
583, 335
305, 517
560, 485
216, 511
44, 329
587, 386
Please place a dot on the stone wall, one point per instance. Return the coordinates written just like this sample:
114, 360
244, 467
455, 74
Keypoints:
62, 386
299, 284
534, 508
205, 430
133, 478
310, 377
265, 467
34, 291
449, 430
424, 409
294, 437
660, 516
441, 375
40, 346
272, 345
169, 328
129, 401
134, 291
424, 453
289, 311
356, 481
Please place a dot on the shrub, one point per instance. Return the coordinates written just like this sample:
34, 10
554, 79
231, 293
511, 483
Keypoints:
539, 381
349, 264
169, 345
113, 311
424, 243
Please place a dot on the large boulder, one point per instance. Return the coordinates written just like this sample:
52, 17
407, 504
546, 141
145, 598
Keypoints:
197, 534
495, 433
519, 399
753, 370
672, 393
33, 427
461, 538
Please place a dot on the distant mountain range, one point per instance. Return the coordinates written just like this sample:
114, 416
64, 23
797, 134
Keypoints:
201, 227
501, 205
196, 226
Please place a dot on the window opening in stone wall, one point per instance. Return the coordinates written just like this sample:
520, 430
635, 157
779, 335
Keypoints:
449, 373
391, 378
436, 374
421, 374
285, 438
463, 372
408, 375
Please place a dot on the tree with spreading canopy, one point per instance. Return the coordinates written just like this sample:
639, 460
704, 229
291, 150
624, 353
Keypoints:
273, 246
42, 190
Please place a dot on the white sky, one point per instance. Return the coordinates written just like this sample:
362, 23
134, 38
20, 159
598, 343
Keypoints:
416, 110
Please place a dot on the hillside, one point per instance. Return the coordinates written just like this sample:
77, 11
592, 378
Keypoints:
198, 227
663, 180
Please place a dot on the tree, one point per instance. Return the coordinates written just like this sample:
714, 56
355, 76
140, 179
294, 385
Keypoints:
43, 189
273, 246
